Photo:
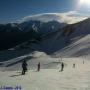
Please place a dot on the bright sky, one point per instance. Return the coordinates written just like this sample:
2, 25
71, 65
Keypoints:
12, 10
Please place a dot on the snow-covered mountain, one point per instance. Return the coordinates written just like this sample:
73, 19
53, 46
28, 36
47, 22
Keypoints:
58, 31
79, 35
76, 40
16, 33
72, 40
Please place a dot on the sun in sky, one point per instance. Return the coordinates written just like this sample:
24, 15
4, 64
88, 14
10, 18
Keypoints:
85, 2
83, 6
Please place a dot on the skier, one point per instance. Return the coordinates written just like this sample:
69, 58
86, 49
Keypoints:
73, 65
38, 68
62, 66
83, 61
24, 66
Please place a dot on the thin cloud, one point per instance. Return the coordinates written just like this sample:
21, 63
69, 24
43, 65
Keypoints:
67, 17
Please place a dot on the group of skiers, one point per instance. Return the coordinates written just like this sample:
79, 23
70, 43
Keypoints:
24, 67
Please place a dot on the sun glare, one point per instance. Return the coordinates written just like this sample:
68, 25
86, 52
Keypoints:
85, 2
82, 1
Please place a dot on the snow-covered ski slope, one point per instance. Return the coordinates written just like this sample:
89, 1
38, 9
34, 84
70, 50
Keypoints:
50, 78
79, 48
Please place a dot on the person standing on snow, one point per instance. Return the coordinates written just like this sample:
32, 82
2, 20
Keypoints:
83, 61
24, 67
62, 66
38, 68
73, 65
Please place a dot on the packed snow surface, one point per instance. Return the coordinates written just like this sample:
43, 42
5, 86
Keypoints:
49, 77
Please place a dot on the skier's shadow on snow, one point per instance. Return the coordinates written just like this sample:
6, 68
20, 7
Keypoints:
16, 75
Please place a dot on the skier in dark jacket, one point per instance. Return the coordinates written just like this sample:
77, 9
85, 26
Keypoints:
62, 66
24, 67
38, 68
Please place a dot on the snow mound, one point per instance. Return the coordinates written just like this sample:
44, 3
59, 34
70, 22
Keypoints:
37, 54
